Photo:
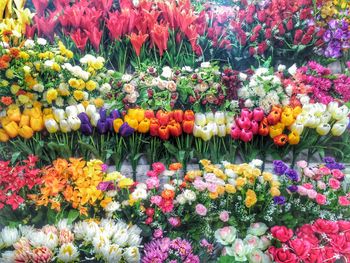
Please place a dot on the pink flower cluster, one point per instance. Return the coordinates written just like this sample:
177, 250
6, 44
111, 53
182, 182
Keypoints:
322, 241
152, 181
208, 182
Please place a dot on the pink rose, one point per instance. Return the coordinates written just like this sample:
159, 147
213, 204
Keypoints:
174, 221
308, 186
321, 199
302, 164
300, 247
282, 233
152, 173
199, 184
201, 210
343, 201
324, 170
156, 199
321, 185
158, 167
311, 194
309, 172
158, 233
337, 174
281, 255
224, 216
152, 182
302, 190
334, 184
344, 225
212, 187
325, 226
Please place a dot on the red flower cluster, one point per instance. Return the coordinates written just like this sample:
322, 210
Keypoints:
322, 241
165, 124
14, 181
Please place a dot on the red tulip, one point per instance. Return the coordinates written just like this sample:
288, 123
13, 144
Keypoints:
153, 128
178, 115
175, 128
189, 115
137, 41
46, 26
235, 133
115, 25
30, 31
95, 37
159, 37
40, 6
80, 39
149, 114
163, 132
243, 122
258, 114
280, 140
274, 116
163, 117
187, 126
246, 135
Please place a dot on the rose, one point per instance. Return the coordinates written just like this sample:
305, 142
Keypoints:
308, 186
321, 185
311, 194
226, 235
238, 250
325, 226
344, 225
302, 164
337, 174
158, 167
257, 256
257, 229
315, 256
308, 172
224, 216
340, 244
158, 233
307, 233
266, 242
282, 255
321, 199
302, 190
343, 201
334, 184
281, 233
300, 247
253, 242
201, 210
174, 221
152, 183
156, 199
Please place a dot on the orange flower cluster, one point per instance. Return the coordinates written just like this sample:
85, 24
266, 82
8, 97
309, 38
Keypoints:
74, 182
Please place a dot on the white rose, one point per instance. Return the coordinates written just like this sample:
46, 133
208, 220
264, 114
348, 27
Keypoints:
281, 68
189, 195
293, 70
167, 72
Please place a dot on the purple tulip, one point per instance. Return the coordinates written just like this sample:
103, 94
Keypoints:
109, 121
125, 130
115, 114
103, 114
83, 118
102, 126
86, 128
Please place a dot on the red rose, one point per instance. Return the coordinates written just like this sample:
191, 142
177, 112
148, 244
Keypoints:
290, 25
300, 247
268, 33
344, 226
340, 244
262, 47
306, 39
325, 226
282, 233
281, 255
315, 256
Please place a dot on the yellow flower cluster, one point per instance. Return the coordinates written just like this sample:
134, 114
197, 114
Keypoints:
335, 8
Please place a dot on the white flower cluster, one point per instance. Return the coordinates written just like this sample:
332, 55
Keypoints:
188, 196
264, 90
76, 71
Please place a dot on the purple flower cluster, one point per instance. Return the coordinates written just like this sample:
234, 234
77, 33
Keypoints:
336, 38
170, 251
279, 200
279, 167
332, 164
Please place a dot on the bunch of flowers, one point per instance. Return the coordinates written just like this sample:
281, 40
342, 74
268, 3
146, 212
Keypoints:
321, 241
73, 183
17, 181
332, 9
105, 240
37, 71
249, 249
264, 89
336, 38
169, 250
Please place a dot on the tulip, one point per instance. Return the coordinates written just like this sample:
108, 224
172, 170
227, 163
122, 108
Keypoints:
175, 128
86, 128
189, 115
137, 114
144, 126
37, 124
276, 130
244, 123
90, 110
280, 140
264, 127
332, 106
149, 114
64, 126
187, 126
338, 128
312, 121
197, 130
26, 132
200, 119
222, 130
95, 118
74, 122
35, 112
117, 123
14, 113
115, 114
3, 136
213, 127
287, 118
229, 126
59, 114
103, 114
11, 129
154, 127
132, 122
80, 108
220, 117
51, 126
325, 117
5, 121
258, 114
125, 130
323, 129
25, 120
84, 118
178, 115
72, 111
246, 135
163, 117
254, 127
293, 138
274, 117
102, 126
206, 132
340, 113
163, 132
209, 116
235, 133
247, 113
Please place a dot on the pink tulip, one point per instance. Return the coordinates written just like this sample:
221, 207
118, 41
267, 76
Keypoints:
243, 122
236, 133
258, 114
255, 127
247, 113
246, 135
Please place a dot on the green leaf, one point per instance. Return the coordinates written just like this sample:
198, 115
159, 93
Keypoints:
171, 148
227, 259
72, 216
90, 148
15, 157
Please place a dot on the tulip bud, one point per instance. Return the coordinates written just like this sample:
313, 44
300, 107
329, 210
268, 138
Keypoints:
90, 110
26, 132
154, 126
312, 122
72, 111
229, 126
220, 117
163, 132
235, 133
117, 123
274, 117
200, 119
187, 126
51, 125
293, 138
102, 126
163, 117
140, 114
94, 118
149, 114
325, 117
340, 113
64, 126
206, 132
276, 130
178, 115
258, 114
287, 118
37, 124
254, 127
338, 128
264, 127
243, 122
247, 113
246, 135
59, 114
74, 122
280, 140
332, 106
189, 115
14, 113
213, 127
144, 126
297, 127
80, 108
175, 128
197, 130
25, 120
323, 129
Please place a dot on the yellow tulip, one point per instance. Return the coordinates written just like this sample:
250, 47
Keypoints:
51, 95
11, 129
144, 126
293, 138
287, 118
14, 113
230, 189
276, 130
5, 121
117, 123
26, 132
37, 124
24, 120
132, 123
3, 136
51, 126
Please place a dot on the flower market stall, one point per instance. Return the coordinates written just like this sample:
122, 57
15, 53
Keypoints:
174, 131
